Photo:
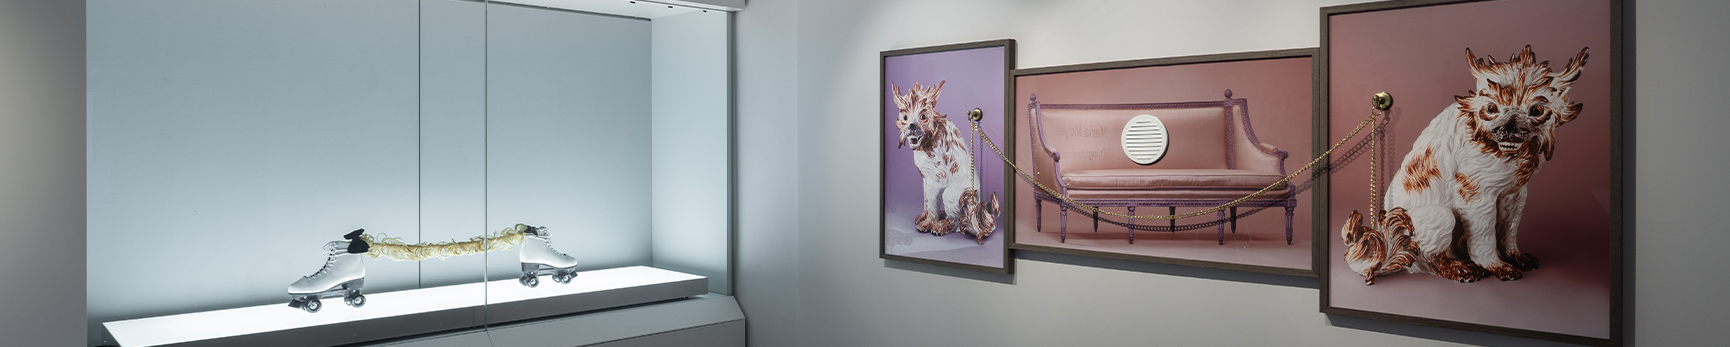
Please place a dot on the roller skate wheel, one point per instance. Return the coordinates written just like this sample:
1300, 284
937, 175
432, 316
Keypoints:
312, 305
355, 301
562, 278
529, 281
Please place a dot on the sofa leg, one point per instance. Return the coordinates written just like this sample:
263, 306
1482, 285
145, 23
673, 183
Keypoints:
1221, 216
1288, 209
1173, 210
1038, 215
1063, 223
1234, 219
1131, 225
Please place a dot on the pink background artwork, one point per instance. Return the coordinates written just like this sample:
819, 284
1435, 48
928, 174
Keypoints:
1279, 92
1418, 55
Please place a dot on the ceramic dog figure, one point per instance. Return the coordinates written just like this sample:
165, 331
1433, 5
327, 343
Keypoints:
952, 202
1454, 205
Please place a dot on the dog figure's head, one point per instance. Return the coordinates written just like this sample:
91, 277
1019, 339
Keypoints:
918, 117
1518, 104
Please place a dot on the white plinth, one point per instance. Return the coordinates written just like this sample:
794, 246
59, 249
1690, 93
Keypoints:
409, 312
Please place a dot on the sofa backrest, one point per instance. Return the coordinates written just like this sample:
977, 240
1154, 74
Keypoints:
1087, 135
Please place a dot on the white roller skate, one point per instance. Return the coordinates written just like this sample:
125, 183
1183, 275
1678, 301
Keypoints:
538, 258
343, 275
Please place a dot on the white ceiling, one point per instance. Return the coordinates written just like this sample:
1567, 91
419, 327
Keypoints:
628, 8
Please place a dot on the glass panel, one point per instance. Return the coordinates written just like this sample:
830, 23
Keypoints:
242, 153
607, 125
327, 172
568, 140
453, 134
692, 145
568, 133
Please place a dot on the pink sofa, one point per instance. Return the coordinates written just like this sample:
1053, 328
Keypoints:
1212, 158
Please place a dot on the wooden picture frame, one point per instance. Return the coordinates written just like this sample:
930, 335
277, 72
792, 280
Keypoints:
1583, 271
921, 219
1078, 101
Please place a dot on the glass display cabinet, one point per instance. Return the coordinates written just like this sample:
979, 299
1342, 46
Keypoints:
325, 172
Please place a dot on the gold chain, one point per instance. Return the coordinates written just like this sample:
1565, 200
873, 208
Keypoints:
1375, 211
972, 166
1233, 203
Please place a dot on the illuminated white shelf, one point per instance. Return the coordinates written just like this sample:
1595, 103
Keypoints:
409, 312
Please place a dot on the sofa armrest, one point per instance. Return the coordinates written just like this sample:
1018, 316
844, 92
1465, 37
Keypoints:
1262, 158
1046, 168
1271, 149
1256, 156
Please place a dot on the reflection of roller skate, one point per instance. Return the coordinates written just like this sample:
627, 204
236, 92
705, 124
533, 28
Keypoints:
539, 258
342, 275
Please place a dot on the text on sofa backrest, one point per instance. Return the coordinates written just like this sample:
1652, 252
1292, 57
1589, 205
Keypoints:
1088, 139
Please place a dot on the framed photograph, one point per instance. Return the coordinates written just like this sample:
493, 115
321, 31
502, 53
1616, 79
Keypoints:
1115, 146
1494, 201
945, 198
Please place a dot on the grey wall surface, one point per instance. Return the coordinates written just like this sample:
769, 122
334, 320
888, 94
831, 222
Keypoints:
815, 75
706, 320
1676, 79
690, 145
767, 203
42, 169
729, 334
230, 140
568, 133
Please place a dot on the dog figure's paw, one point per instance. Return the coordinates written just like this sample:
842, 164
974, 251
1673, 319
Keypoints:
1457, 270
1521, 261
1504, 271
1369, 277
923, 222
942, 227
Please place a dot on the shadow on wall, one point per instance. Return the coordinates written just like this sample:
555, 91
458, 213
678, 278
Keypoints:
1115, 264
1408, 330
1434, 333
951, 272
1171, 270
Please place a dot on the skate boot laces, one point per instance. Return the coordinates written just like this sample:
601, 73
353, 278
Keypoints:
550, 249
545, 235
328, 262
332, 249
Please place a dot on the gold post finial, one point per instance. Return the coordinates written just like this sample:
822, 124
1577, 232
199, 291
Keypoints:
1382, 101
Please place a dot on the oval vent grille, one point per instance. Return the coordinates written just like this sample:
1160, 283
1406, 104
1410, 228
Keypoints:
1144, 139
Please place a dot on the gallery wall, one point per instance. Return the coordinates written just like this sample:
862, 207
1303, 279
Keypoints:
815, 76
42, 170
767, 141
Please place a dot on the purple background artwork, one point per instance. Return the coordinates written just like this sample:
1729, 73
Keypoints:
973, 79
